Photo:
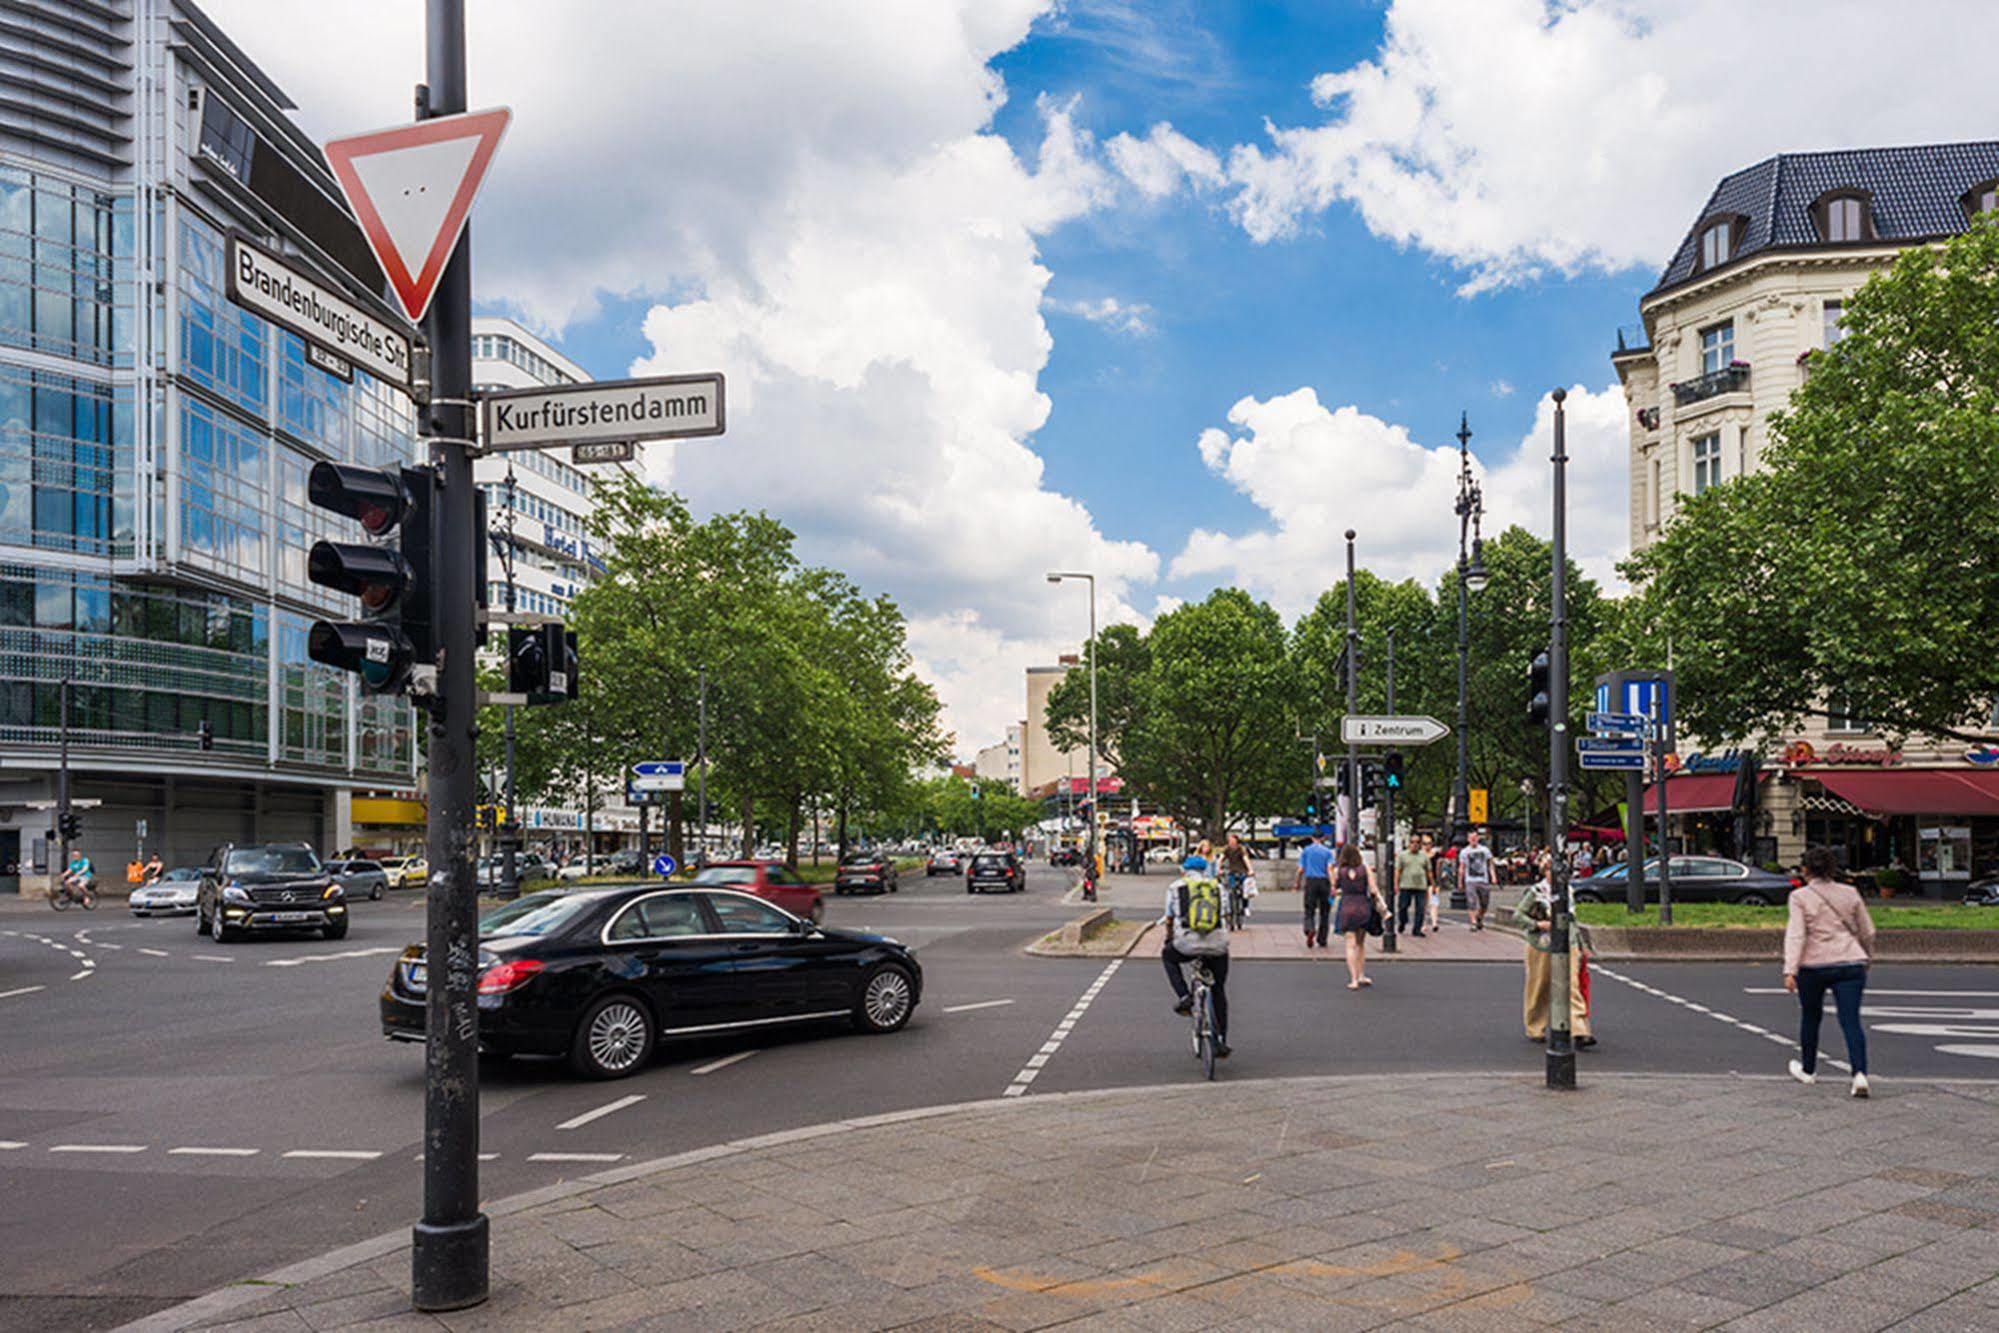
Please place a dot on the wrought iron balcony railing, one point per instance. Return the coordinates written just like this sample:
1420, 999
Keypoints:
1727, 379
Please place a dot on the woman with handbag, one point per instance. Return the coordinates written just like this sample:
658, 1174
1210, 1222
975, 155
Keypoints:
1359, 911
1828, 943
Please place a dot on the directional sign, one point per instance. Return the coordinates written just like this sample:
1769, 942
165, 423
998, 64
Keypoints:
603, 451
665, 407
659, 775
1624, 724
411, 189
1630, 761
1413, 729
330, 324
1609, 745
664, 865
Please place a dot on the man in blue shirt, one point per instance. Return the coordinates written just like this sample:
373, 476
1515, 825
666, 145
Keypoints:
1315, 877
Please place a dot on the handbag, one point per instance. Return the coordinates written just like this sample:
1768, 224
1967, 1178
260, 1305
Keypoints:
1374, 926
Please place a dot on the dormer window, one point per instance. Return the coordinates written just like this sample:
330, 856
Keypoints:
1981, 199
1717, 242
1844, 215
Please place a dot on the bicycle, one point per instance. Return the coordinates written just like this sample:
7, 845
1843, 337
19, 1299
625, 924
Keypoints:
1203, 1015
63, 893
1238, 905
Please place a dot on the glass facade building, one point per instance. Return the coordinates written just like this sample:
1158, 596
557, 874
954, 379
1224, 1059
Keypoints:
155, 441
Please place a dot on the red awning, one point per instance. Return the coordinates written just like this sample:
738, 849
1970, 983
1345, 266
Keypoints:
1698, 794
1914, 791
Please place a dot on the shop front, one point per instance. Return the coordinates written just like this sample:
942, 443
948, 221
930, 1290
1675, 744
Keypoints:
1922, 830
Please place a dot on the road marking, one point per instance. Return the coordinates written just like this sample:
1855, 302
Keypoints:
334, 1154
1716, 1014
1883, 990
213, 1152
20, 990
210, 958
577, 1122
1032, 1069
576, 1157
99, 1147
724, 1062
10, 1145
1980, 1052
967, 1008
79, 976
156, 953
332, 957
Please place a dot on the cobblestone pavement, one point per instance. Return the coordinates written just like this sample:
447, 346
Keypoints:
1445, 1202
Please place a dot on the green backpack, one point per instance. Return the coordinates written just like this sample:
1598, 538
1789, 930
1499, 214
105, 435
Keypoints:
1201, 905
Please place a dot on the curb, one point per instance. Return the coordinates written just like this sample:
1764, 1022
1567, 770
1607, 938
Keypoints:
242, 1292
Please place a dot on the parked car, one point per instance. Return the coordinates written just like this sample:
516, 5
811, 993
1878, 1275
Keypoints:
405, 872
943, 861
1983, 892
623, 863
529, 867
1696, 879
172, 894
251, 887
1066, 856
601, 976
866, 872
995, 870
359, 878
773, 881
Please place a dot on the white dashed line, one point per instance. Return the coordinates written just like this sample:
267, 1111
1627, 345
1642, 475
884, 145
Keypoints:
1032, 1069
577, 1122
155, 953
331, 957
1716, 1014
11, 1145
213, 1152
99, 1147
576, 1157
332, 1154
714, 1065
79, 976
210, 958
967, 1008
20, 990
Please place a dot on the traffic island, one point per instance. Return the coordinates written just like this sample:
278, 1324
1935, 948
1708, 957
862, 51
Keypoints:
1452, 1201
1097, 934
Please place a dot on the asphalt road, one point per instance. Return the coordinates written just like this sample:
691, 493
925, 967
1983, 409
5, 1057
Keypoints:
176, 1114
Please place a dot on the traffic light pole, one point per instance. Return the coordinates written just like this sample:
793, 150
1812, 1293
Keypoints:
1353, 707
449, 1251
62, 786
1561, 1058
1385, 857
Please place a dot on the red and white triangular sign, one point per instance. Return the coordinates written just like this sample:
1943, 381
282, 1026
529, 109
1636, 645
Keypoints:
411, 189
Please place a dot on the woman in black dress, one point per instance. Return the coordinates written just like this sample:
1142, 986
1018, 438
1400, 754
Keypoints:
1354, 887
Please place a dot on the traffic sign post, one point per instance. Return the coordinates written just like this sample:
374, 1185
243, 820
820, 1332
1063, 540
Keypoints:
1619, 724
658, 775
664, 407
1414, 729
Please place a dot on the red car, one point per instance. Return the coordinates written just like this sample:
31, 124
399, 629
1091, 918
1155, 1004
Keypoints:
773, 881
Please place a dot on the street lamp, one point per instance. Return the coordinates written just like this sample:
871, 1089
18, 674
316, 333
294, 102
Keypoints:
1472, 577
1090, 844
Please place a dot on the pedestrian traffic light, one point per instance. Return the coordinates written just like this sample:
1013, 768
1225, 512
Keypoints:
1312, 808
1373, 780
69, 826
1391, 771
392, 581
527, 660
558, 654
206, 731
1539, 705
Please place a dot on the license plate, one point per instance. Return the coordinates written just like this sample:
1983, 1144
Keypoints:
291, 916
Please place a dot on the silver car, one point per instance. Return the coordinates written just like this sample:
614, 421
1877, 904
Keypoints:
172, 894
359, 878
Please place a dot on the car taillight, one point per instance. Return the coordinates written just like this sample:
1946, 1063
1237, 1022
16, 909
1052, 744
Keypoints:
511, 975
1797, 883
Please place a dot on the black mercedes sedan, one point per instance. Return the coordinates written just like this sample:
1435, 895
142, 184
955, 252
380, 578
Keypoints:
601, 976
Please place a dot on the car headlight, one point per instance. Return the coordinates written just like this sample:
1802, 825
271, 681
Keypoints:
333, 891
235, 893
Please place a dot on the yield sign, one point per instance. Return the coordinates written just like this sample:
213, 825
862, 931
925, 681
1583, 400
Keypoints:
411, 189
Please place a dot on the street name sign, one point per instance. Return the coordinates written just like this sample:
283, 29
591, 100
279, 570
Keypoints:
659, 775
1624, 724
604, 451
665, 407
411, 189
1630, 760
1413, 729
333, 327
1609, 745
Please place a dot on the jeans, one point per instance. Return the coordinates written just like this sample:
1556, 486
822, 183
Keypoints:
1846, 981
1408, 903
1218, 967
1318, 909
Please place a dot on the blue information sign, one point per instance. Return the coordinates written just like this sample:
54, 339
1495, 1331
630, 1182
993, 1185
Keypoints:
664, 865
1631, 761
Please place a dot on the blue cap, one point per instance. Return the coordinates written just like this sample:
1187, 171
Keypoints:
1195, 863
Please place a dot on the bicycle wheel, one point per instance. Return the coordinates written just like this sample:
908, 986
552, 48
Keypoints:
1208, 1035
59, 900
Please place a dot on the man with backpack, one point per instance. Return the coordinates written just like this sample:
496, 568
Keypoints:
1197, 927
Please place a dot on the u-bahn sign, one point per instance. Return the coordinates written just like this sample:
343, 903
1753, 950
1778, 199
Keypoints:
665, 407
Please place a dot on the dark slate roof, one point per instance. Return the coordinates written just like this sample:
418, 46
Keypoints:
1917, 194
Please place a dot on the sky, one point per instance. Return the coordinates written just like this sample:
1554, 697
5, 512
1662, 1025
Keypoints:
1167, 291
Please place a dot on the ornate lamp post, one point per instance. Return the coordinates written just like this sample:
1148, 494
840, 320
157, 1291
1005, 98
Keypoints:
1471, 578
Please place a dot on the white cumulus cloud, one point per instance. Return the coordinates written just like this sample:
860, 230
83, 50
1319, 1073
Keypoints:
1133, 317
1164, 160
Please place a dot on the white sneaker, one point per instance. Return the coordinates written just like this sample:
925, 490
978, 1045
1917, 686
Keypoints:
1860, 1085
1798, 1073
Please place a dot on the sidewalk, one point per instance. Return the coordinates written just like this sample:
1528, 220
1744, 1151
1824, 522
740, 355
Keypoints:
1446, 1202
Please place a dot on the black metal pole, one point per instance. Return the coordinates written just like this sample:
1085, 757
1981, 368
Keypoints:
701, 778
1634, 842
449, 1250
1353, 706
1461, 789
1561, 1059
62, 785
1386, 856
510, 879
1665, 848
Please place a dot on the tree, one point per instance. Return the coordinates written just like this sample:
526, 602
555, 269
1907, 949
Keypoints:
1855, 566
1121, 660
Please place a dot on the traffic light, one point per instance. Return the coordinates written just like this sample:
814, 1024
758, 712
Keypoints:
527, 660
69, 826
206, 731
1372, 779
1539, 705
392, 581
1392, 766
1312, 808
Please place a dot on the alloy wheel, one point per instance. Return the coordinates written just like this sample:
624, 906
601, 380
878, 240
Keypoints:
886, 1001
617, 1036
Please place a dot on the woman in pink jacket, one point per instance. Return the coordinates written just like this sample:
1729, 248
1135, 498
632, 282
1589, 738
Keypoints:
1827, 946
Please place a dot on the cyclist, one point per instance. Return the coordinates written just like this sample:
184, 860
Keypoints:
1235, 873
1197, 897
80, 872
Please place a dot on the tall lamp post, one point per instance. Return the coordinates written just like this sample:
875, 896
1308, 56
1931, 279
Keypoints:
1090, 843
1471, 578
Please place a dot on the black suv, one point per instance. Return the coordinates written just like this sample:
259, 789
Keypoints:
268, 886
995, 870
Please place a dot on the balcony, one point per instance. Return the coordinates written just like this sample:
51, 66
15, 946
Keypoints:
1731, 378
1632, 340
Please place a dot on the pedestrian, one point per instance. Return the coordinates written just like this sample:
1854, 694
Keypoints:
1828, 943
1412, 887
1358, 903
1475, 871
1534, 914
1430, 855
1315, 877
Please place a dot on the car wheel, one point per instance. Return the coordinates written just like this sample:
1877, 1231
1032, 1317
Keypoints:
614, 1039
219, 930
338, 932
818, 912
1752, 900
200, 922
1588, 896
888, 998
969, 889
